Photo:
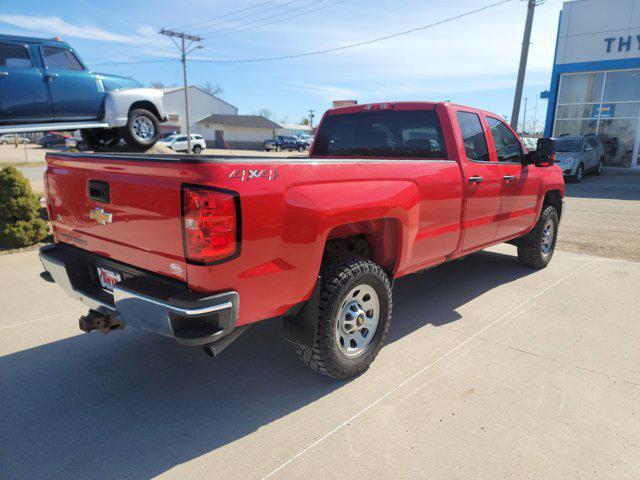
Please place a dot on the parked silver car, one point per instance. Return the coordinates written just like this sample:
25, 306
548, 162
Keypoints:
579, 154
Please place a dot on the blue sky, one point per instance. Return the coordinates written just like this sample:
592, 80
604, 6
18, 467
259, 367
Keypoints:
472, 60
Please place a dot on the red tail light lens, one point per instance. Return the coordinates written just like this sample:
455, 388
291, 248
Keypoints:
210, 224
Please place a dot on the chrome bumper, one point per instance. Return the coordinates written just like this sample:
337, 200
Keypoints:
142, 300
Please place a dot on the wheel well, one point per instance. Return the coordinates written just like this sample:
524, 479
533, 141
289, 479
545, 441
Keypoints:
554, 199
377, 240
147, 105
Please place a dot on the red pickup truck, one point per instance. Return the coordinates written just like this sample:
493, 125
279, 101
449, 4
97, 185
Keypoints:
198, 248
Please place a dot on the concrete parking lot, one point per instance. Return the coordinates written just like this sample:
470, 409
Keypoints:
492, 370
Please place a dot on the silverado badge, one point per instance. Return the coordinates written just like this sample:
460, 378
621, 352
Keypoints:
100, 216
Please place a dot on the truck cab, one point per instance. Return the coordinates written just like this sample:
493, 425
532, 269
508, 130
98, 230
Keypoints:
45, 85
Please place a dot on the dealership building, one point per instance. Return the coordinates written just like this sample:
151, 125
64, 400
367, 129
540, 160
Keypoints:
595, 83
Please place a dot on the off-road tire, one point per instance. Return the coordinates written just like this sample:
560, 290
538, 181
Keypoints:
131, 139
339, 275
530, 251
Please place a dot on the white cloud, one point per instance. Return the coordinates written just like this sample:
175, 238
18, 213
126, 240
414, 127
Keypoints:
57, 26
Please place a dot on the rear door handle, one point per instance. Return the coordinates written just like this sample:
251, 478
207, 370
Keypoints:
509, 178
52, 76
475, 179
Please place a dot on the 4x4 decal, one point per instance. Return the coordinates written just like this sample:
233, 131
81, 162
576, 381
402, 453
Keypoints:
246, 175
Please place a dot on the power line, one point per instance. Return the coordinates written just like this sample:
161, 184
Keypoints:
359, 44
278, 17
328, 50
235, 18
226, 15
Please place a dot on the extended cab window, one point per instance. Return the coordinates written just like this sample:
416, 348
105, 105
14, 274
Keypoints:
507, 144
381, 133
475, 143
13, 55
60, 59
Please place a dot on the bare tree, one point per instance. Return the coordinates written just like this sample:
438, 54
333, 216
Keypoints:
264, 112
212, 88
157, 85
304, 121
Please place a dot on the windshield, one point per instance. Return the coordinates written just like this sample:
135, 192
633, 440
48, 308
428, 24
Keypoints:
568, 145
383, 133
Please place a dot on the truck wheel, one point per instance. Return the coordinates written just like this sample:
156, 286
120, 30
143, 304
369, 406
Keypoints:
536, 248
142, 130
353, 318
579, 174
197, 149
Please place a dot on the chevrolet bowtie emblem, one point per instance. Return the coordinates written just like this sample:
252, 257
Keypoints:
100, 216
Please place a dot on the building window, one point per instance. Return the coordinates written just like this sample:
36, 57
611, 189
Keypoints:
606, 104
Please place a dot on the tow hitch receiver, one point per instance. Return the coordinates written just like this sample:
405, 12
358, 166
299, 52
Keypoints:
103, 322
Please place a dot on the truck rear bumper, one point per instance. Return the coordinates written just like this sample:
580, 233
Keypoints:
143, 300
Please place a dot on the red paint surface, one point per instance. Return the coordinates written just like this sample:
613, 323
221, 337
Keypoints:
416, 213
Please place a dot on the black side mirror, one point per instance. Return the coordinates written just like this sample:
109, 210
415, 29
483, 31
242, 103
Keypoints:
544, 155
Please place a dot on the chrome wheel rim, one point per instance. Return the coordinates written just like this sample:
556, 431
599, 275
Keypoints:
357, 320
143, 128
547, 237
579, 173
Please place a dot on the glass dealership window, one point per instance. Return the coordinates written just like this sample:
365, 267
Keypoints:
606, 104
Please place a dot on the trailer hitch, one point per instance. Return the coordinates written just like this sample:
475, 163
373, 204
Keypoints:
103, 322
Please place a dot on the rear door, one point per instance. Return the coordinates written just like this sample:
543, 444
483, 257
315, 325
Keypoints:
483, 183
23, 93
76, 94
520, 183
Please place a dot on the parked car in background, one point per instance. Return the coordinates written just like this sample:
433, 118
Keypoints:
75, 141
52, 139
10, 138
530, 142
284, 142
579, 154
165, 135
45, 85
179, 143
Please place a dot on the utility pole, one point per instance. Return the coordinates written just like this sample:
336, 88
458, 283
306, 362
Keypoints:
524, 55
184, 51
311, 116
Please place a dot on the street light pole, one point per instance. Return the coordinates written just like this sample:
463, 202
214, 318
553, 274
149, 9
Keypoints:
183, 47
524, 55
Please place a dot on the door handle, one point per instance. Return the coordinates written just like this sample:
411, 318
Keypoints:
52, 76
475, 179
4, 74
509, 178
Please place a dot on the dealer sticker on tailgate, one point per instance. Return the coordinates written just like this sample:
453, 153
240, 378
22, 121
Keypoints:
108, 278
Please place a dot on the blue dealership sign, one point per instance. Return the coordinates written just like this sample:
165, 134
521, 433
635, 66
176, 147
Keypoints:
606, 110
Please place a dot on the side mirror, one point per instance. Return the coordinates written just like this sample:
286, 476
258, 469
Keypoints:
544, 155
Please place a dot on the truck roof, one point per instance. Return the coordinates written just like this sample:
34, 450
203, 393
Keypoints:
18, 38
407, 105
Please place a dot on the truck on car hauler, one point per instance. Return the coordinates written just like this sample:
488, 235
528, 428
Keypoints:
198, 248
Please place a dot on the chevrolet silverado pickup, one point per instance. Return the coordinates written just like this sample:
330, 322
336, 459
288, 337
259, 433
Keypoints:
198, 248
45, 85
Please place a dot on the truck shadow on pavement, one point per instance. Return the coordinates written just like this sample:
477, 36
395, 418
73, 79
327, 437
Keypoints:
613, 187
134, 405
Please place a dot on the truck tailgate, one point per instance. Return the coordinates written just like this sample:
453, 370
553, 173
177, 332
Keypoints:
122, 208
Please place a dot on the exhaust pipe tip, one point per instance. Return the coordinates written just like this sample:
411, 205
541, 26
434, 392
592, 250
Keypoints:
214, 349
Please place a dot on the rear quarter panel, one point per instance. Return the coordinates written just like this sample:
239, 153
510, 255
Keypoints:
291, 208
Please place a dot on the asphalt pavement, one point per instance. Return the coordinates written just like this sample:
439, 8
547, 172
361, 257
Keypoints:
491, 370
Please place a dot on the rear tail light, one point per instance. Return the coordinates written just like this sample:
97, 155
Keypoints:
210, 224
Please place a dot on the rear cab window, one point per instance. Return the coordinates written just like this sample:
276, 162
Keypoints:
14, 55
475, 142
381, 133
